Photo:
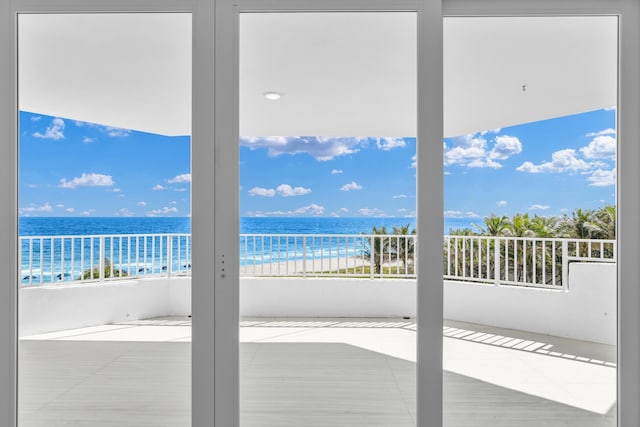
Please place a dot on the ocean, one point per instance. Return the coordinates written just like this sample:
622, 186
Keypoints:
32, 226
47, 260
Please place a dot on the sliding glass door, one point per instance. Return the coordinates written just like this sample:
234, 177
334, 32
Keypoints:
215, 214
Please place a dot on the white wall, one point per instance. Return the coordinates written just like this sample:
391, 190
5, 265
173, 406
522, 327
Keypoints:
327, 297
586, 312
53, 308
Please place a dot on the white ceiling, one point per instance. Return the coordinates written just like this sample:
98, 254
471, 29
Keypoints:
341, 74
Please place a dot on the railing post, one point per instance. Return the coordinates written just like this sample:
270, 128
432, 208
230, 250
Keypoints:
496, 261
62, 258
304, 256
170, 255
372, 264
101, 265
565, 265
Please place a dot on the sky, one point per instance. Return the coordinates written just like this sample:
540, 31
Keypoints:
551, 167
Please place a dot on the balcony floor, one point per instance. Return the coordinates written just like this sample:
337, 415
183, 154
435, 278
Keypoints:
316, 372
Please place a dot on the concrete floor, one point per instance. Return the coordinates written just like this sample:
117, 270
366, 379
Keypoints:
316, 372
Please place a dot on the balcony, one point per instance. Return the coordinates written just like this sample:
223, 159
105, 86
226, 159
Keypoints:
529, 331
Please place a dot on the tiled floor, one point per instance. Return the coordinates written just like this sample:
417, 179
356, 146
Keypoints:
316, 372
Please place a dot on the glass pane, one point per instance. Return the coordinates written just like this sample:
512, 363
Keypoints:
327, 202
104, 206
530, 216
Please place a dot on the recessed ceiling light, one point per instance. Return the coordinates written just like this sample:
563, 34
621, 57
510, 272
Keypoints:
272, 96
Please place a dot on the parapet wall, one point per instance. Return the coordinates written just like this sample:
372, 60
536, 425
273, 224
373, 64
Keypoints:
586, 311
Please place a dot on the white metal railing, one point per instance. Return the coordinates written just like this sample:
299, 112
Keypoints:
53, 259
520, 261
327, 255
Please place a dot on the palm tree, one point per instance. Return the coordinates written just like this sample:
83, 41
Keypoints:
605, 222
520, 226
494, 225
546, 226
404, 246
581, 223
379, 245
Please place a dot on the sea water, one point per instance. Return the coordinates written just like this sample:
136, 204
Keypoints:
290, 244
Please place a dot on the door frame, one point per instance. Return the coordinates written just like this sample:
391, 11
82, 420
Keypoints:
215, 321
628, 156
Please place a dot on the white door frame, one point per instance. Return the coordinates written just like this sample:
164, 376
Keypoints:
429, 198
628, 157
215, 330
429, 152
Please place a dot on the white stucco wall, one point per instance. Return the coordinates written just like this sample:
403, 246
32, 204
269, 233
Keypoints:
587, 311
325, 297
54, 308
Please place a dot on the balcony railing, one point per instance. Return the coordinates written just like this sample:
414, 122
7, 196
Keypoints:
534, 262
52, 259
520, 261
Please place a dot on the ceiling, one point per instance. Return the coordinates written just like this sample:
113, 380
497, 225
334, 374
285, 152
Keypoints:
340, 74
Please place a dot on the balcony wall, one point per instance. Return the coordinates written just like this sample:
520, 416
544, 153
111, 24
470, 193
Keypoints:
60, 307
586, 311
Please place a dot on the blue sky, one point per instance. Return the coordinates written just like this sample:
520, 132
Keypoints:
71, 168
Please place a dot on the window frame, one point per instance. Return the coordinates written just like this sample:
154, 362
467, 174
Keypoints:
215, 326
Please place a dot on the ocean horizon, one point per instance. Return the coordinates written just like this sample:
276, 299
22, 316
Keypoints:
65, 226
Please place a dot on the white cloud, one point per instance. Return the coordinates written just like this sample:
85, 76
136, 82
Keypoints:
310, 210
539, 207
388, 144
371, 212
54, 131
505, 147
460, 214
264, 192
561, 161
472, 150
336, 171
468, 149
343, 210
502, 203
496, 130
320, 148
109, 130
351, 186
400, 196
115, 132
46, 207
181, 179
608, 131
59, 206
173, 202
124, 212
88, 140
414, 161
70, 210
141, 203
88, 212
158, 187
285, 190
87, 180
601, 147
114, 190
180, 189
164, 211
602, 178
36, 118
